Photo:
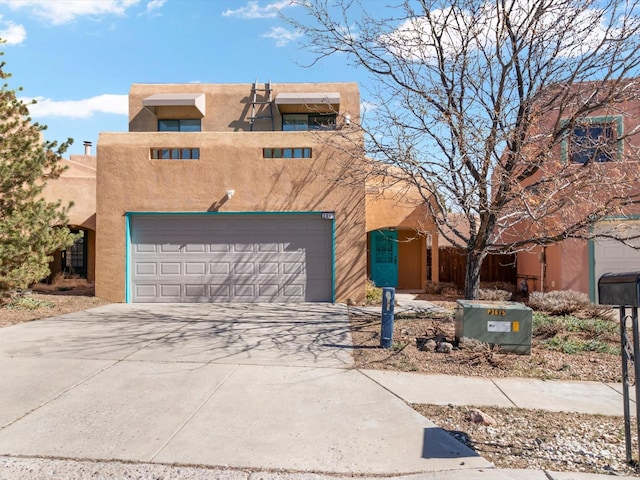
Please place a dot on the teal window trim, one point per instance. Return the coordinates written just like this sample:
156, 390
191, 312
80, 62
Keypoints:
127, 261
333, 259
617, 119
127, 229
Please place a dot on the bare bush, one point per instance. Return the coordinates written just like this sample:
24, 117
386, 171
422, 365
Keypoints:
509, 287
494, 295
560, 302
441, 288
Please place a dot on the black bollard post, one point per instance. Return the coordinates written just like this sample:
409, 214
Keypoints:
386, 332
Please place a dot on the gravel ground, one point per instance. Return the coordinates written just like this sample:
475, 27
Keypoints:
536, 439
531, 439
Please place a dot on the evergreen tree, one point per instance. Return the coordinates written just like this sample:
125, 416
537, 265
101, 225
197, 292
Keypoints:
31, 228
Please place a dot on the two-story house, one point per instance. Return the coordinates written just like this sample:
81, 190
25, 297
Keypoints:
606, 138
232, 193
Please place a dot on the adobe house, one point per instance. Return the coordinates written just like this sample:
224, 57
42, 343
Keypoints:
77, 184
232, 193
577, 264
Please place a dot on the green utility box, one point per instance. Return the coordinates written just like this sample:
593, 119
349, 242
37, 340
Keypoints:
504, 324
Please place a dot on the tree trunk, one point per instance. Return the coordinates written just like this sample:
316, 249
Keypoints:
472, 275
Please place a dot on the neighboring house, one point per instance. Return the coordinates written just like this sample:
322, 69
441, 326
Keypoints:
77, 184
578, 264
232, 193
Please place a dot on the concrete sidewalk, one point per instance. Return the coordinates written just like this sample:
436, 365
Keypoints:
260, 389
553, 395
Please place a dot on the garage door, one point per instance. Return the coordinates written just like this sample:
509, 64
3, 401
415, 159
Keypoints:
231, 258
613, 256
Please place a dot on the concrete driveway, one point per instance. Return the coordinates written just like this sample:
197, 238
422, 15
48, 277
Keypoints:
246, 386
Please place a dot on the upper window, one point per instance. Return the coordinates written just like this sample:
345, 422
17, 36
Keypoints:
595, 140
182, 125
308, 121
304, 152
175, 153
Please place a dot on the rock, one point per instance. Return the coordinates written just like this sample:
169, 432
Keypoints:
426, 345
471, 343
351, 302
475, 415
440, 337
444, 347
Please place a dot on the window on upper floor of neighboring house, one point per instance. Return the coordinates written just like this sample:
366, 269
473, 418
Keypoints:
175, 153
596, 140
182, 125
293, 152
292, 122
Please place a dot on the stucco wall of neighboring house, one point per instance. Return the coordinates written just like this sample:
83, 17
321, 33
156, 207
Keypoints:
569, 262
77, 184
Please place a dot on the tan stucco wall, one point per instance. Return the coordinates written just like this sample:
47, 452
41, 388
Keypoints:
77, 184
229, 106
129, 181
567, 267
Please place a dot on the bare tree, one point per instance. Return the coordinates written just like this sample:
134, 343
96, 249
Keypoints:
487, 108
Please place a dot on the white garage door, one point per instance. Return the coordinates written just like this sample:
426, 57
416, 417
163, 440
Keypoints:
613, 256
231, 258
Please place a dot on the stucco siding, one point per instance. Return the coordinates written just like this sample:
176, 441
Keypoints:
130, 181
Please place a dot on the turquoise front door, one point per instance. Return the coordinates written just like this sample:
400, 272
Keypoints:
384, 258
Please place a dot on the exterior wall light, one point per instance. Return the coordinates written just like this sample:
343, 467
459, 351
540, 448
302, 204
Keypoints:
230, 193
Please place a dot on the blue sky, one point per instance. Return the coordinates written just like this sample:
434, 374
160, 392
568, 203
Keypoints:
78, 58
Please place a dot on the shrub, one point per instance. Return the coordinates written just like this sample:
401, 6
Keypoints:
561, 302
509, 287
493, 295
28, 303
374, 294
441, 288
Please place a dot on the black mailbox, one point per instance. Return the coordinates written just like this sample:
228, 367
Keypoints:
619, 289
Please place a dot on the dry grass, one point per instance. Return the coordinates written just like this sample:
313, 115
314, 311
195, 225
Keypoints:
44, 301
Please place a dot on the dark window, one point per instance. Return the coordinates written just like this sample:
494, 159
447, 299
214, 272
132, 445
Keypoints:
298, 152
74, 258
594, 142
292, 122
183, 125
175, 153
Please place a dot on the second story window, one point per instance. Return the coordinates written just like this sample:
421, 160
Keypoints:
298, 152
596, 140
175, 153
292, 122
182, 125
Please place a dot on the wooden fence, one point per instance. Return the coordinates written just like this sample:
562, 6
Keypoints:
495, 268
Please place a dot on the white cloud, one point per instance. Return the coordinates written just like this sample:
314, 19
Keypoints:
282, 36
368, 107
253, 10
155, 5
578, 31
12, 32
63, 11
116, 104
